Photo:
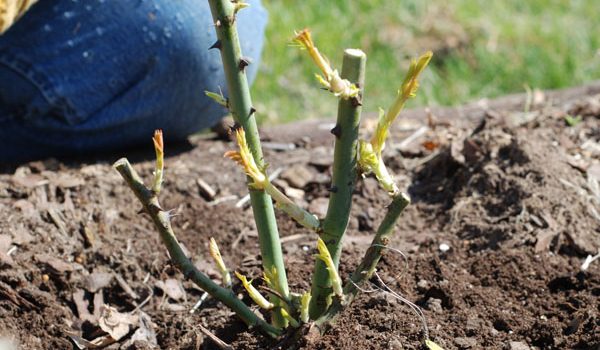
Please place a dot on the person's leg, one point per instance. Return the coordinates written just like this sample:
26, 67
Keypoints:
84, 76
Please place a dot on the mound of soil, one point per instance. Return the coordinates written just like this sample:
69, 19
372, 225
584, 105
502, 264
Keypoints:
506, 202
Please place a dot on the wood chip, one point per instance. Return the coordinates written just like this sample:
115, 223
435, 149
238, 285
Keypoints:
21, 236
7, 292
89, 235
206, 191
56, 265
81, 305
64, 180
56, 218
29, 180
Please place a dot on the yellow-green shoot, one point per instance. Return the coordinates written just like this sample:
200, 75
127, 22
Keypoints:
255, 295
330, 79
325, 256
370, 159
261, 182
160, 155
216, 255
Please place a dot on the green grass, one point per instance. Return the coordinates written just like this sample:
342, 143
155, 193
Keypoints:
481, 49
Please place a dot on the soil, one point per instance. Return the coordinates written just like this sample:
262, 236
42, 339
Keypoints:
505, 210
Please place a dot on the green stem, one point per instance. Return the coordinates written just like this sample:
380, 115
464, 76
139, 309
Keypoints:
300, 215
161, 220
343, 181
367, 266
240, 106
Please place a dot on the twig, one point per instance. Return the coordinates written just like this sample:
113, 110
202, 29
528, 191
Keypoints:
206, 190
221, 344
145, 301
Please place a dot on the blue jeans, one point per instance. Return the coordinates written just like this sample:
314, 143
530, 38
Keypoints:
82, 76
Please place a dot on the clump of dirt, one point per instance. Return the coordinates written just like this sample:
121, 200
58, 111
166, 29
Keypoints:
505, 210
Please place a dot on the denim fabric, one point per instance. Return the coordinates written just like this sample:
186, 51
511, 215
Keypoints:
79, 76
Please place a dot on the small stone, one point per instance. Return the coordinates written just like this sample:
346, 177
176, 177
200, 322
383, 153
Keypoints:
322, 178
297, 176
423, 285
466, 342
435, 305
318, 207
473, 326
518, 345
395, 344
444, 247
370, 187
321, 157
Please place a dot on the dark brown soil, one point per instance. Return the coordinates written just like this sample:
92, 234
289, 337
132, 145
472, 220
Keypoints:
514, 196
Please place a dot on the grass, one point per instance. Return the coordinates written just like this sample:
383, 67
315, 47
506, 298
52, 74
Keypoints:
481, 49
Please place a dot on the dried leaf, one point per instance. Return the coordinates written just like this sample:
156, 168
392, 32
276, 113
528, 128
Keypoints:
146, 331
115, 323
172, 288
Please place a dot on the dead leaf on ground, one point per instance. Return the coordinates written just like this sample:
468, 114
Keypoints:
172, 288
116, 324
146, 331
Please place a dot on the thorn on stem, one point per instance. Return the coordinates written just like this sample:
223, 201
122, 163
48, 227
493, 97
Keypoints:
218, 23
332, 189
216, 45
337, 131
252, 111
244, 62
356, 101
